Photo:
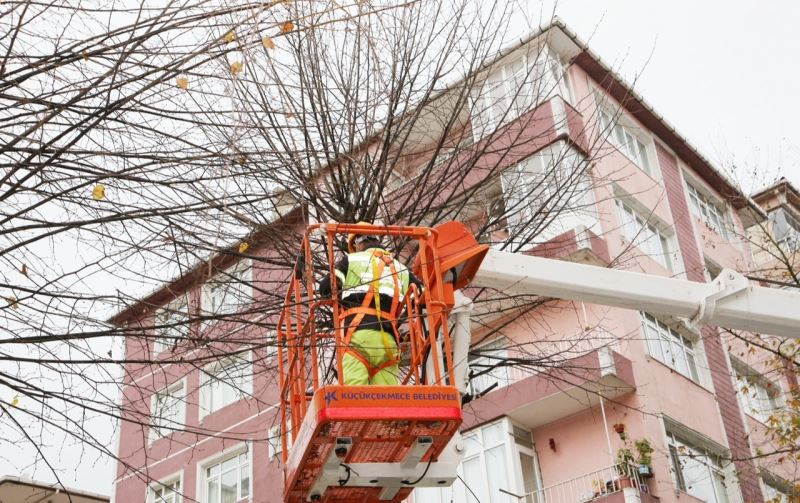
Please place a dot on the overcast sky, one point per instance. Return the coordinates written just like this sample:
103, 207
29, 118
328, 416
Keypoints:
723, 73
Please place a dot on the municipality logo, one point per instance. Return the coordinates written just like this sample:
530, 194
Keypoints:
330, 396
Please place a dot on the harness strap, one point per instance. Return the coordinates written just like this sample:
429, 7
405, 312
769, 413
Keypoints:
367, 310
373, 294
372, 370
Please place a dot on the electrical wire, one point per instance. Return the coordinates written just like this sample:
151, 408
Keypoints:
406, 482
468, 488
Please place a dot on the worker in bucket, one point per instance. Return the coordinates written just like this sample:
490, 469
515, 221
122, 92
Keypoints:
372, 285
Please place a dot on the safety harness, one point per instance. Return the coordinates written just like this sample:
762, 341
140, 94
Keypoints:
372, 306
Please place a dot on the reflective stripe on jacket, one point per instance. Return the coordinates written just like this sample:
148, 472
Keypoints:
360, 271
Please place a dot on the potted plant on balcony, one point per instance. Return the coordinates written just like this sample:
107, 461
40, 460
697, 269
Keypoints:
645, 450
625, 460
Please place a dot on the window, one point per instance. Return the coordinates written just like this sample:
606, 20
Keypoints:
229, 291
168, 411
499, 457
757, 396
697, 471
669, 347
548, 194
786, 230
776, 492
224, 383
626, 140
169, 492
172, 324
705, 210
228, 481
645, 236
514, 87
487, 367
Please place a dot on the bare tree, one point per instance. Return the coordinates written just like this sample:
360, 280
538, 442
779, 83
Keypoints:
152, 143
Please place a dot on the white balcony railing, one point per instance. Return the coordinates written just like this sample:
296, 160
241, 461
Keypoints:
589, 487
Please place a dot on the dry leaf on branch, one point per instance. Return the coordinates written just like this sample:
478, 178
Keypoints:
182, 82
243, 247
230, 36
236, 67
12, 302
287, 27
268, 43
24, 270
99, 192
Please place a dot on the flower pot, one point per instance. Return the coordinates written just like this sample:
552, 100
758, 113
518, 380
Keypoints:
645, 471
619, 428
625, 482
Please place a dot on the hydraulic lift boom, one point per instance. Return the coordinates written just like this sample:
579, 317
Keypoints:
376, 443
730, 301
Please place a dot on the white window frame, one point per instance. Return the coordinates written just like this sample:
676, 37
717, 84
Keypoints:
627, 137
156, 415
642, 233
659, 338
516, 84
237, 281
478, 444
175, 312
214, 377
754, 391
708, 209
166, 483
533, 184
219, 459
490, 353
681, 448
791, 240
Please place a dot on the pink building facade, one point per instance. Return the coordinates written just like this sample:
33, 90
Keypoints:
548, 431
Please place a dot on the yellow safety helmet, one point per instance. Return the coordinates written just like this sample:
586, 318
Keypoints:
351, 238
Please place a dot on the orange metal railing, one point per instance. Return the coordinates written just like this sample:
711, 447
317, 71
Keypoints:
423, 331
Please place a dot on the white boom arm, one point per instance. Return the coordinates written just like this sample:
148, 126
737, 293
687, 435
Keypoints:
730, 301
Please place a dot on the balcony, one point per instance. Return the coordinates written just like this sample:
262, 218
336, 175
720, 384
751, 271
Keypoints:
538, 399
606, 485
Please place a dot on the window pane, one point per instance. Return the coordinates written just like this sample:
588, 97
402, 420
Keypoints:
497, 474
493, 434
676, 466
229, 484
529, 481
619, 135
651, 336
474, 480
666, 348
472, 445
245, 479
719, 488
680, 359
229, 464
643, 156
213, 491
692, 366
698, 477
